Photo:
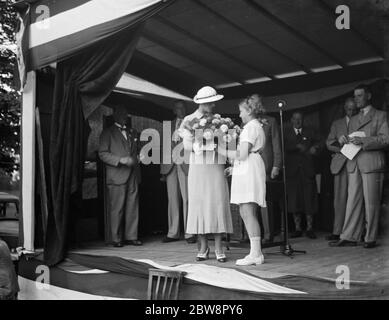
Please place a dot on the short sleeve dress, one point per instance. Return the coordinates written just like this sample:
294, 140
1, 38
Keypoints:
249, 176
208, 195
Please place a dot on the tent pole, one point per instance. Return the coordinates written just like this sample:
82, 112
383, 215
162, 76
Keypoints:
28, 161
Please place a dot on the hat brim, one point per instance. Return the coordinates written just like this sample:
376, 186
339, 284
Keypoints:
208, 100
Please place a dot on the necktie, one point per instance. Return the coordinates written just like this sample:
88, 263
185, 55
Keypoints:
122, 130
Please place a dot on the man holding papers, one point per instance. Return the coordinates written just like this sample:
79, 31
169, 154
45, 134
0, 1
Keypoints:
368, 131
338, 168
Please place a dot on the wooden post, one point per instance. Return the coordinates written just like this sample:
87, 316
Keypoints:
28, 161
42, 175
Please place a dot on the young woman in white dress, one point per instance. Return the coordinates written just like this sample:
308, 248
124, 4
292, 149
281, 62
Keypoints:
248, 188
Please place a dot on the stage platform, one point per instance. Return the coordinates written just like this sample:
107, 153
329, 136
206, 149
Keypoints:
98, 271
365, 265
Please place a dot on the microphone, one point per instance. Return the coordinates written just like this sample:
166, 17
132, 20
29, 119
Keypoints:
281, 104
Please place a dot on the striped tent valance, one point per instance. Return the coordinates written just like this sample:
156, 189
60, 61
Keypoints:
53, 30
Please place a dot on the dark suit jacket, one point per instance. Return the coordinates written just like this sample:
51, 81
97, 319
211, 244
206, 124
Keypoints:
114, 146
371, 158
167, 168
296, 159
338, 129
271, 153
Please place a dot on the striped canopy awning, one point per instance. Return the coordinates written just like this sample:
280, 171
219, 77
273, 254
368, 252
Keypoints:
56, 30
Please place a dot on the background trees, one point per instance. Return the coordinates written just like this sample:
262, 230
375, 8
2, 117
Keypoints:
10, 97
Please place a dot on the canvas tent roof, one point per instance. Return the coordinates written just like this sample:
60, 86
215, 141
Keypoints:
266, 45
244, 46
133, 85
145, 98
146, 90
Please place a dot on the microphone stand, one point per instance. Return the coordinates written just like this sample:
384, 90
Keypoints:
285, 248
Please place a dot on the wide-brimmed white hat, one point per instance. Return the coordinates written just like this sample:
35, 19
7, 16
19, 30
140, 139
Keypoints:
207, 94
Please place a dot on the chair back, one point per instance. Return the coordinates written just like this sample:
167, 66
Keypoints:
164, 284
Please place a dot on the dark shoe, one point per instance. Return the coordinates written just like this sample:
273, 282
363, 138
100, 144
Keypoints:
343, 243
332, 237
133, 242
310, 234
118, 244
370, 245
296, 234
191, 239
75, 246
267, 241
167, 240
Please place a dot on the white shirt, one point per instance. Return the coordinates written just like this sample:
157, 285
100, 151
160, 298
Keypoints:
176, 136
347, 120
253, 133
122, 129
297, 131
366, 109
178, 123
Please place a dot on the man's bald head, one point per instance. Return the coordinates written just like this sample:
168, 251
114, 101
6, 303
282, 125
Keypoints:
350, 107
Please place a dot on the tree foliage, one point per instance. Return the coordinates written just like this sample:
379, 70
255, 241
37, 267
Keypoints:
10, 98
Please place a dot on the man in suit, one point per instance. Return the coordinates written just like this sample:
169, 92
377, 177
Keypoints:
365, 171
118, 150
301, 145
176, 177
339, 128
271, 155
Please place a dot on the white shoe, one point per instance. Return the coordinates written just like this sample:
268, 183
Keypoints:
203, 256
248, 260
221, 257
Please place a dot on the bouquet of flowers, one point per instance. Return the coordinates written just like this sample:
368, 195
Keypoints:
209, 129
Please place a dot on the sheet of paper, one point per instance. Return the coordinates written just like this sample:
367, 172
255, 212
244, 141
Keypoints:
350, 150
360, 134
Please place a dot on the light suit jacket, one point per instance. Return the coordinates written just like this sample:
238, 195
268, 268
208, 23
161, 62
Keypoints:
371, 158
338, 129
167, 168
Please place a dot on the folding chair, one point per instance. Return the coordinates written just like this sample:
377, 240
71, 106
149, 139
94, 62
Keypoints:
164, 284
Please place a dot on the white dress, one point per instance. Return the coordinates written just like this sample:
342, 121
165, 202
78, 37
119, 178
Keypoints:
208, 195
249, 176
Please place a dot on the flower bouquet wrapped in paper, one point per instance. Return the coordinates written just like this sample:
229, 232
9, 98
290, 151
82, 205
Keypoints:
211, 130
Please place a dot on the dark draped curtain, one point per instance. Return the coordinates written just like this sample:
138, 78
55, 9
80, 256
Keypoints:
82, 83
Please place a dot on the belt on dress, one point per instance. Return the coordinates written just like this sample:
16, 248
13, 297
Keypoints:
258, 151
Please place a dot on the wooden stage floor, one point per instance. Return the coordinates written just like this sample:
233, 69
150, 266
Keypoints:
366, 265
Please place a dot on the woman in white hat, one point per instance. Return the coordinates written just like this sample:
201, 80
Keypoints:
208, 195
248, 187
